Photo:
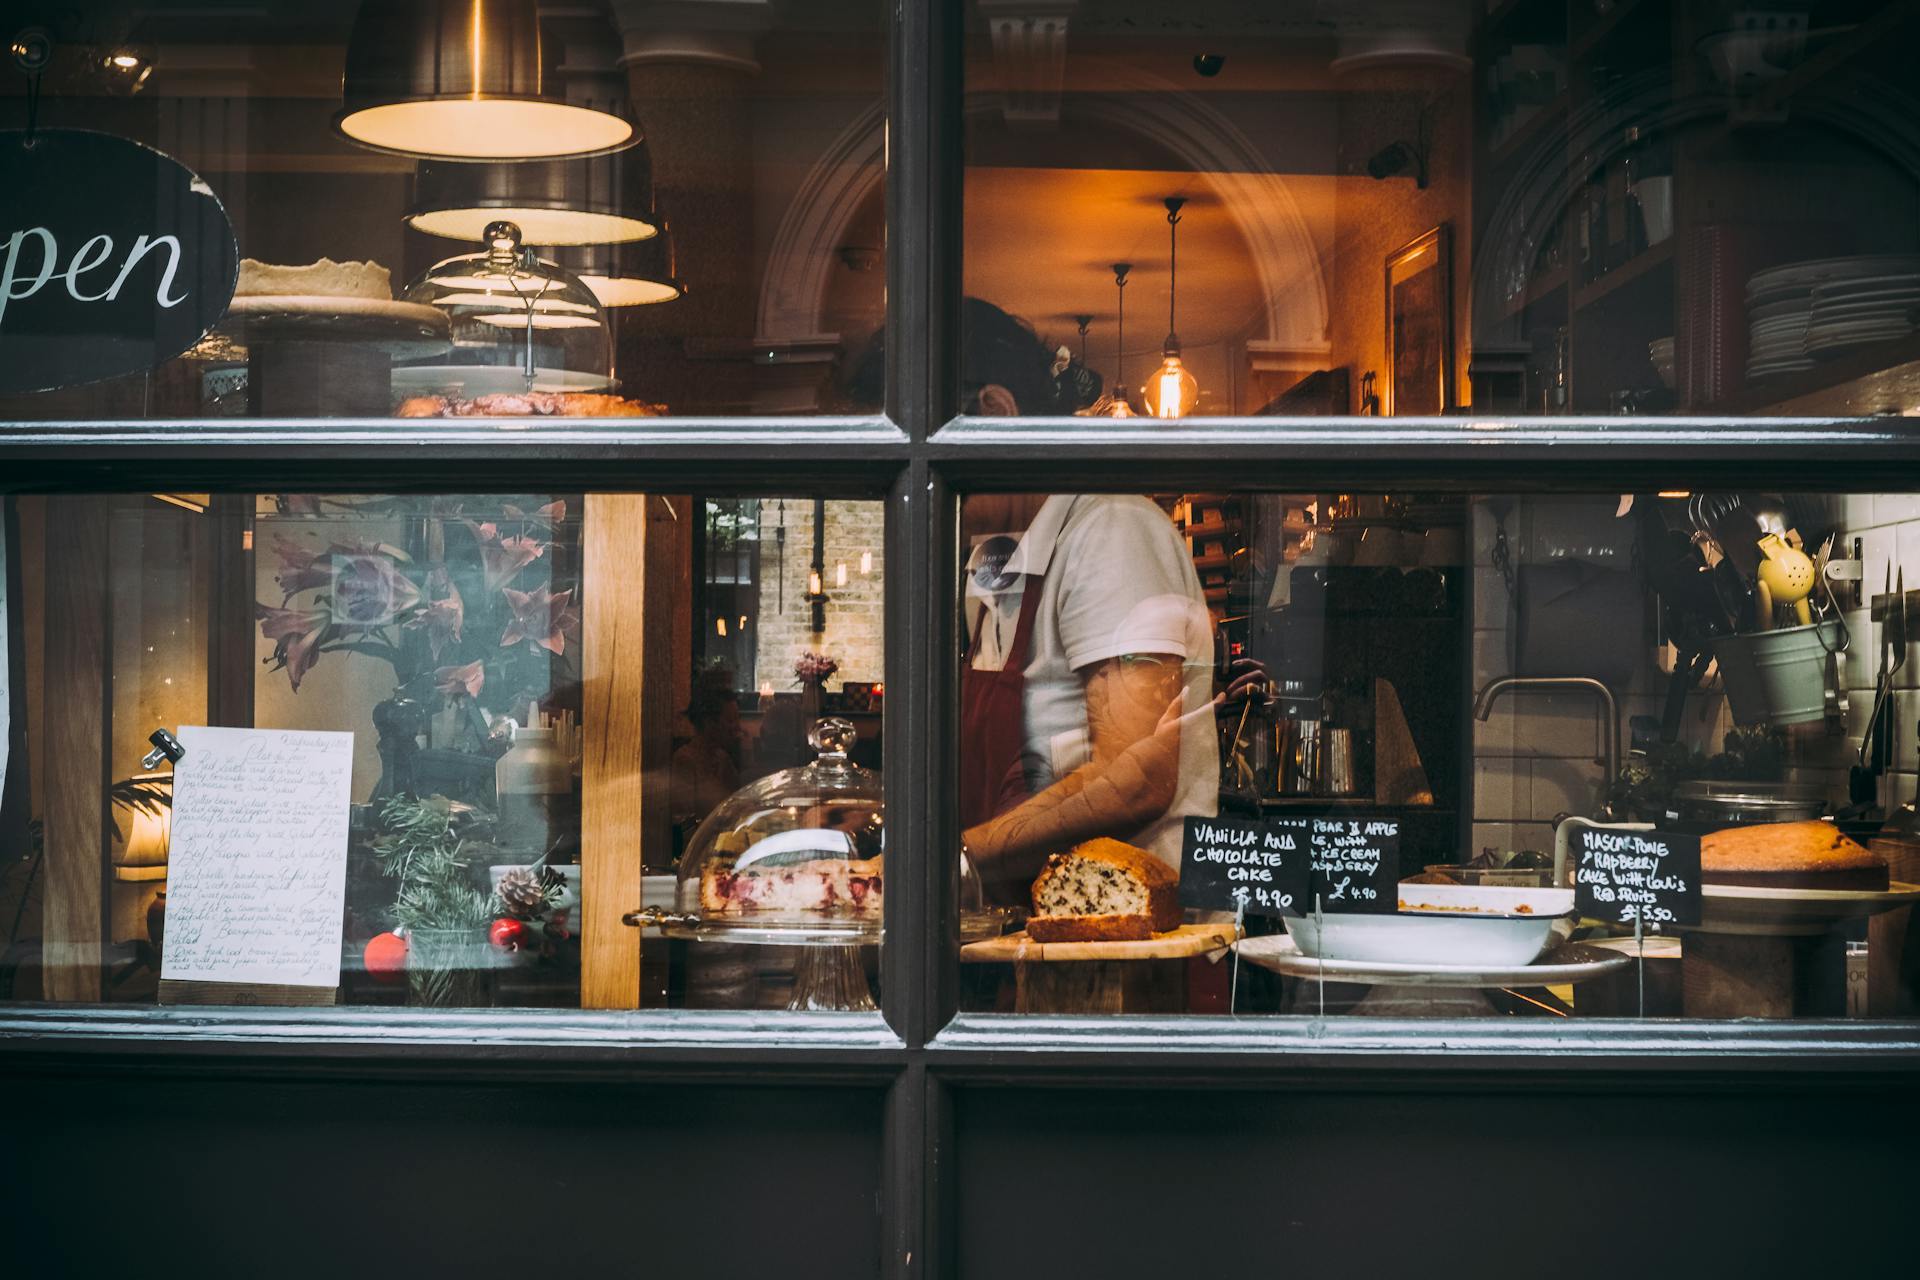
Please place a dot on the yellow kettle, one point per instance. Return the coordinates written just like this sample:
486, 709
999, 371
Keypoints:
1786, 577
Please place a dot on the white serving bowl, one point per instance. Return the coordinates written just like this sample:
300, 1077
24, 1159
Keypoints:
1428, 940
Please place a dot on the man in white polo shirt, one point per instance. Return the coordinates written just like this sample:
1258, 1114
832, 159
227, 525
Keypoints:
1087, 686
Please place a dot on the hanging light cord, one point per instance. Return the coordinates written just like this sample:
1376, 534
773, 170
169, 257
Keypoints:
1120, 270
1173, 265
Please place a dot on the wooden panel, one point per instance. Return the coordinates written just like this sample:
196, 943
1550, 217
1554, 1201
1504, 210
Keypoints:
612, 779
1187, 940
178, 991
665, 683
230, 639
78, 638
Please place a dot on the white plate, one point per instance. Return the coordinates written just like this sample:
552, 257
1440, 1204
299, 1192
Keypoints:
1821, 270
1424, 940
1562, 965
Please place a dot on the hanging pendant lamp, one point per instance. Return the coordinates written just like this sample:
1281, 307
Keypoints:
603, 199
1171, 390
463, 80
1116, 403
630, 273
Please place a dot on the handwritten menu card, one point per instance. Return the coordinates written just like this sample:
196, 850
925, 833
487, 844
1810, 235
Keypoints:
1356, 863
1652, 875
1227, 864
257, 864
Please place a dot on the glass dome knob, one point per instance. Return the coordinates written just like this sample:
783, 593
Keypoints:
832, 737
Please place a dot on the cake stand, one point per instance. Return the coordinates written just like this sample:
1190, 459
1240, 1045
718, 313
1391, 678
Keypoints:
830, 969
1775, 953
323, 357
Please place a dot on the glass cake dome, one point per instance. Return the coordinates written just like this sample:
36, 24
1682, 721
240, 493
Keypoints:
797, 855
519, 323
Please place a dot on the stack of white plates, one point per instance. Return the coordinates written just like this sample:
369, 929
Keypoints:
1850, 313
1660, 352
1873, 294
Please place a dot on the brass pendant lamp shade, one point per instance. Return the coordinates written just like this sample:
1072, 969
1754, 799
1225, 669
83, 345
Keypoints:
632, 273
603, 199
463, 80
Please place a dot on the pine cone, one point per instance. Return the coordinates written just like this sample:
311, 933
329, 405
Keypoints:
523, 892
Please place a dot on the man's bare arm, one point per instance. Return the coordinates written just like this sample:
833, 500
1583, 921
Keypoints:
1134, 721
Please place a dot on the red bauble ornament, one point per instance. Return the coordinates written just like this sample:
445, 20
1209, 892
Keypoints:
508, 934
386, 957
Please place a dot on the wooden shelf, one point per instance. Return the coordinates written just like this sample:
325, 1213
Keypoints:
1516, 143
1201, 564
1860, 382
1534, 18
1540, 288
1635, 268
1604, 29
1830, 58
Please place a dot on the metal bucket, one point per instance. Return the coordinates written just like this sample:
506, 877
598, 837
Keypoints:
1778, 677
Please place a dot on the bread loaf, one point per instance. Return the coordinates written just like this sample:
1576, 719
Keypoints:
1790, 855
1103, 891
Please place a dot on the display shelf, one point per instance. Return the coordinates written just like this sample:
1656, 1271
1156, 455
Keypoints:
1608, 25
1832, 57
1640, 266
1518, 142
1548, 285
1882, 378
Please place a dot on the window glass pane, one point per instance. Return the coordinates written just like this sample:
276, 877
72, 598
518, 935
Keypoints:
1439, 752
1414, 208
456, 739
694, 190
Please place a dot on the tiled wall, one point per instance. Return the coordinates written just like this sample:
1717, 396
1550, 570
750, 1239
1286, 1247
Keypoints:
1538, 754
1888, 526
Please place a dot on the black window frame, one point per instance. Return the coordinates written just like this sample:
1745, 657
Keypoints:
919, 458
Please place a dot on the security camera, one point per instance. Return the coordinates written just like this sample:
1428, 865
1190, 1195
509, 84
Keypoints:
32, 49
1209, 64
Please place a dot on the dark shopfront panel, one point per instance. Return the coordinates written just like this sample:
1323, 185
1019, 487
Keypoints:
1710, 1180
210, 1174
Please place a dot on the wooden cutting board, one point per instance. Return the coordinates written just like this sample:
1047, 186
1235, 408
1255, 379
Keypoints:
1187, 940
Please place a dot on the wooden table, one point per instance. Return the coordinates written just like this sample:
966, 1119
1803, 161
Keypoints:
1144, 976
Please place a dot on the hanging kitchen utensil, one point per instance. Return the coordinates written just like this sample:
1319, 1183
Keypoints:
1786, 577
1875, 749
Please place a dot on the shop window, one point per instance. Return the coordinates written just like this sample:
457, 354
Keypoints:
1662, 742
1416, 209
553, 749
694, 196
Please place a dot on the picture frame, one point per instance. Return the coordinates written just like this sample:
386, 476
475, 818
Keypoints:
1419, 332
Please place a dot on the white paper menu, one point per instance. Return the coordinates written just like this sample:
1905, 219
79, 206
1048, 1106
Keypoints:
257, 860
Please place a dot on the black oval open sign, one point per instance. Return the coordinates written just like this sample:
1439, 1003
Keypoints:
113, 258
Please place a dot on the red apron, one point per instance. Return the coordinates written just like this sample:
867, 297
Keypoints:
993, 720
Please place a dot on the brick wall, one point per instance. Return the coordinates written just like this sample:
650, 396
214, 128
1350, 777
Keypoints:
854, 611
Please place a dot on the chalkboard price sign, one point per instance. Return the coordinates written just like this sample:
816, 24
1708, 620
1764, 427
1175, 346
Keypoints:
1626, 875
1356, 863
1234, 864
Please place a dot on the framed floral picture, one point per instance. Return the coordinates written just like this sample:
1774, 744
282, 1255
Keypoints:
1420, 326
